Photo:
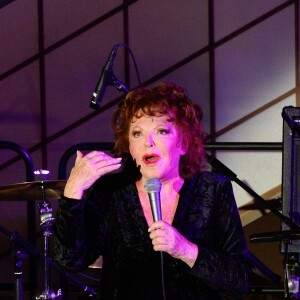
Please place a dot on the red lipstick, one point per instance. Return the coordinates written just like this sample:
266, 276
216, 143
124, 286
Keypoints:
150, 159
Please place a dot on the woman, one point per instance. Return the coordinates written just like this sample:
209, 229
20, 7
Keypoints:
197, 251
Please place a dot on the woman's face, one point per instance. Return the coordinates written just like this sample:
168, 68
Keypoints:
155, 145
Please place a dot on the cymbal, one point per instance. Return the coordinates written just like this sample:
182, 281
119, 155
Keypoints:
32, 191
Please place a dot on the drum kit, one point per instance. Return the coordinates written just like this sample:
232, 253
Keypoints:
42, 191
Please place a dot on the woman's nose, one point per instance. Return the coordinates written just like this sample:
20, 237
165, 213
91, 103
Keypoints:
149, 142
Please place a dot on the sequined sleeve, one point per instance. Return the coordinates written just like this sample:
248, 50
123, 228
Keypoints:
80, 229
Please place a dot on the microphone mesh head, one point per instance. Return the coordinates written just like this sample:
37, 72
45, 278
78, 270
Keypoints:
152, 185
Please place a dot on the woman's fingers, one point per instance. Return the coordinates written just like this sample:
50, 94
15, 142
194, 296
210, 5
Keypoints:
157, 225
98, 155
99, 160
79, 156
107, 166
159, 237
166, 238
108, 162
161, 234
87, 169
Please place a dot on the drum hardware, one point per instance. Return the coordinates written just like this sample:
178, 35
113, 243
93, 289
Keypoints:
31, 191
47, 220
46, 225
22, 249
19, 257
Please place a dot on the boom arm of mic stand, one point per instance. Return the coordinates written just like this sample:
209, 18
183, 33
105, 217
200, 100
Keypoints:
232, 176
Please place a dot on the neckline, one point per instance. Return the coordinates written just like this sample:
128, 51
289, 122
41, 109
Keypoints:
178, 211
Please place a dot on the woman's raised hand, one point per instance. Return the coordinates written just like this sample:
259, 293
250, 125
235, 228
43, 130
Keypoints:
87, 169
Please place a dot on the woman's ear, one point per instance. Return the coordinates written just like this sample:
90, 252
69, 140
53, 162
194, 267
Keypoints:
183, 150
184, 144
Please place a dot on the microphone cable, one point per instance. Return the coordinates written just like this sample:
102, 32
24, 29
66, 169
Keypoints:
133, 60
162, 269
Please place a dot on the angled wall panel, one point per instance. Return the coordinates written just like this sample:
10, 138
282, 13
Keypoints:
255, 68
62, 18
18, 34
164, 32
231, 15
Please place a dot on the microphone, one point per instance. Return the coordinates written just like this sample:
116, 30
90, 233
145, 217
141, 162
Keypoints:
153, 187
105, 79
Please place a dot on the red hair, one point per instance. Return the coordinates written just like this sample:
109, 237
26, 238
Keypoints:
164, 99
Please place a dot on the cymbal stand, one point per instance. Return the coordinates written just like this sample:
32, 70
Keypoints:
45, 211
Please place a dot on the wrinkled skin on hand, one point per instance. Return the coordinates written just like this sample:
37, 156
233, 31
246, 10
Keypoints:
87, 169
166, 238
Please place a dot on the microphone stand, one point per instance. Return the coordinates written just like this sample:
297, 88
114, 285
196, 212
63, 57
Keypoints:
18, 257
21, 248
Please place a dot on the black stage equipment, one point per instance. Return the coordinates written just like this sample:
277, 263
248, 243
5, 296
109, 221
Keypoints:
290, 235
291, 170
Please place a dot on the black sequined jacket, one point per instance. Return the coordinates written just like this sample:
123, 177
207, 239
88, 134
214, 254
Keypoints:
110, 222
